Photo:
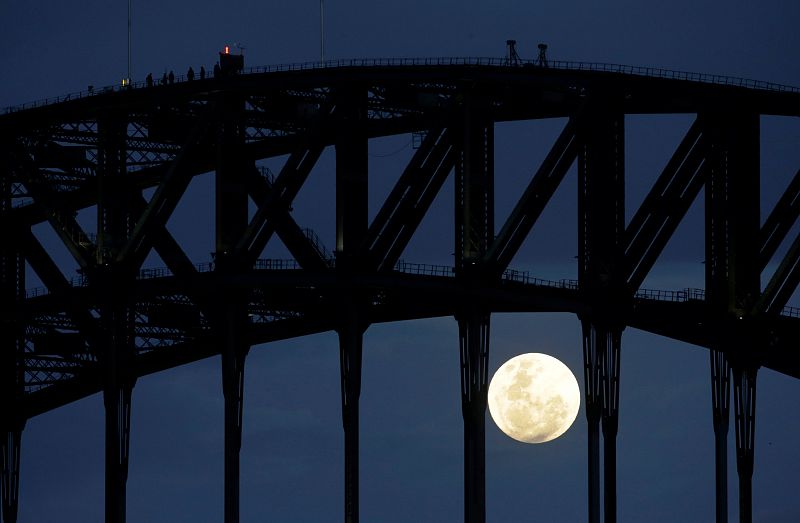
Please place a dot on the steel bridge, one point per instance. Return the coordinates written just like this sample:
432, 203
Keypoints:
131, 153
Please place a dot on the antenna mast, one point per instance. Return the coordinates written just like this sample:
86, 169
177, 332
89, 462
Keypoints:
321, 31
128, 78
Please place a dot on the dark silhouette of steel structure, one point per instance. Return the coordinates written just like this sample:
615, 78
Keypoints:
116, 322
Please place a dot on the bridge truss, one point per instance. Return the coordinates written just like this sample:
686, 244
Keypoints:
132, 153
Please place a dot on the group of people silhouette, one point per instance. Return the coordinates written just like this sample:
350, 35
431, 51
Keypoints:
169, 78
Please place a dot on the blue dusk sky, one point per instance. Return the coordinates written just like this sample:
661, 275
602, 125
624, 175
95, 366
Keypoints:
411, 429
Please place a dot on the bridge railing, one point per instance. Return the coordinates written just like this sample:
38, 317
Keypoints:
687, 294
791, 312
316, 243
425, 269
277, 265
653, 72
514, 275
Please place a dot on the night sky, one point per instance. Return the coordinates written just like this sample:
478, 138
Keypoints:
411, 431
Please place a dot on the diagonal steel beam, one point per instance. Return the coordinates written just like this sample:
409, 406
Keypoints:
779, 221
418, 212
665, 206
402, 186
62, 221
662, 184
272, 215
42, 264
783, 283
175, 258
47, 270
410, 199
165, 244
533, 201
165, 199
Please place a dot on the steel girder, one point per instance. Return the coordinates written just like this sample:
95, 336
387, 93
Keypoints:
474, 231
665, 205
601, 272
533, 200
12, 356
411, 197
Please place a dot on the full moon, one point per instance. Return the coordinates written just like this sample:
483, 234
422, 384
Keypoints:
534, 398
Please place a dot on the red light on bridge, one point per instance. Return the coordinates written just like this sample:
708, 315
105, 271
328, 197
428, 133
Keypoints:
227, 50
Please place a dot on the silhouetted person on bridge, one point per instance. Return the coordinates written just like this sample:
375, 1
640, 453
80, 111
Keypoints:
149, 80
164, 79
202, 73
216, 70
190, 74
171, 77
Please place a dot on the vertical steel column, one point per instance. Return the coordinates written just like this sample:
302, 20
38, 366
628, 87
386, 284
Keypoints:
601, 208
473, 332
610, 381
117, 402
116, 332
720, 404
233, 357
474, 209
230, 315
11, 463
12, 351
352, 220
594, 346
717, 296
351, 336
745, 275
601, 355
733, 286
744, 397
474, 232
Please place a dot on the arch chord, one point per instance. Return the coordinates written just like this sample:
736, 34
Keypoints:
601, 281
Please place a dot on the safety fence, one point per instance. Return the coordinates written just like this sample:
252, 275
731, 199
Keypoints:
632, 70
